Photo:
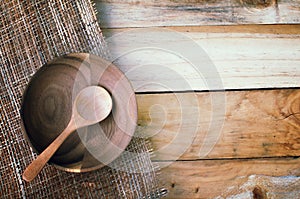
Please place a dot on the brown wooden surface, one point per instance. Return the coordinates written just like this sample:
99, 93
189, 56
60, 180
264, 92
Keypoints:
260, 135
137, 13
255, 124
223, 178
279, 29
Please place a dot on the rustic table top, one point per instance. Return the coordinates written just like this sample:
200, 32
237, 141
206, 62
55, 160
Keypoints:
217, 86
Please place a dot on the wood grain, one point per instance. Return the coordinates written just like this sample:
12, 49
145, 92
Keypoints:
184, 59
217, 125
137, 13
260, 129
222, 178
273, 29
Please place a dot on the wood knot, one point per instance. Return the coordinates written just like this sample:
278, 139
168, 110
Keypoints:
259, 4
258, 193
294, 106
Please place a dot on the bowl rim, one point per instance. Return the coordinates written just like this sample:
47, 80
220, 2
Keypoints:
73, 167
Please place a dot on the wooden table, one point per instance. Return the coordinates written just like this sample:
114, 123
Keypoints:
233, 138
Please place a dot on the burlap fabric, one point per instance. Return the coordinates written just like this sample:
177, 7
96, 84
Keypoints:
32, 33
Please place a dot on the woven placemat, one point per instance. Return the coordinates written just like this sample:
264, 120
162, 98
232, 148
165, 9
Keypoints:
32, 33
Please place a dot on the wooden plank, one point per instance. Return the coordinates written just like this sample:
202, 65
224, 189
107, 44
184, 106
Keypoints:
223, 178
178, 60
254, 29
137, 13
214, 125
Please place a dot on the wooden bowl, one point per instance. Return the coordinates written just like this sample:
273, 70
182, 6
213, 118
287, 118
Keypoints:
47, 105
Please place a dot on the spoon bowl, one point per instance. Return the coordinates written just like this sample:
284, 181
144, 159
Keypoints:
92, 105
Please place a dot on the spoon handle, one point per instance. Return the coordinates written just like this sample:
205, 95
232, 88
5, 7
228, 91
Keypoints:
36, 165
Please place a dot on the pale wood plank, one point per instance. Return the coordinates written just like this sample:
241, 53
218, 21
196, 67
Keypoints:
158, 59
138, 13
222, 178
187, 126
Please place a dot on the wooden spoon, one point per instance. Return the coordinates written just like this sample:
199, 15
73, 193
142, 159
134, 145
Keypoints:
91, 105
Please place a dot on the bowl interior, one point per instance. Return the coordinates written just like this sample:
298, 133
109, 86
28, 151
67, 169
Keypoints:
47, 108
